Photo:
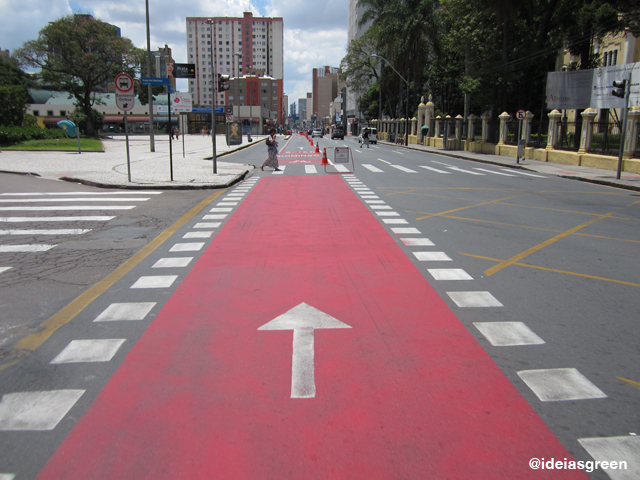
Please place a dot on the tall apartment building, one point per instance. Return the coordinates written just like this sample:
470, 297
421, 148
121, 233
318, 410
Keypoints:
265, 92
325, 90
240, 45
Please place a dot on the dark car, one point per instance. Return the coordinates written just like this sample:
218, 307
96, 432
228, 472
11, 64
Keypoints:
337, 133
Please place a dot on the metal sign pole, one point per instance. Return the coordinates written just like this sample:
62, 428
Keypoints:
126, 134
623, 130
518, 142
181, 130
170, 131
78, 135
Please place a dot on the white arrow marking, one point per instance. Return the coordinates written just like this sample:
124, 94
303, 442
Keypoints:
303, 320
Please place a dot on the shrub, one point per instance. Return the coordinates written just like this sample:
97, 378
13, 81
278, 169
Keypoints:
12, 135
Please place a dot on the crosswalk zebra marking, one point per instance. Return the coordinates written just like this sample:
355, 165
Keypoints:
458, 169
523, 173
372, 168
68, 208
25, 248
67, 231
310, 169
493, 171
403, 169
97, 218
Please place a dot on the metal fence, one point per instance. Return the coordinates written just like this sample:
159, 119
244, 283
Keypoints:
605, 138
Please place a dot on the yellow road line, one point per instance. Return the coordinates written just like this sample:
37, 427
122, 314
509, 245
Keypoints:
542, 245
630, 382
429, 215
562, 211
555, 270
29, 343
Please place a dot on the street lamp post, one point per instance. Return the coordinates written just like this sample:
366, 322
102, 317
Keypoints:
406, 118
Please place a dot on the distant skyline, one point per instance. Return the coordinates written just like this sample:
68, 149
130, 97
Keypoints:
315, 33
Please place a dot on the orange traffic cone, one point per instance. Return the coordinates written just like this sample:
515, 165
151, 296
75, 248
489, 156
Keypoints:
317, 148
325, 161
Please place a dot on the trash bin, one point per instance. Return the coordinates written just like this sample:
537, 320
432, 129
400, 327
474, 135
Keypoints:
425, 132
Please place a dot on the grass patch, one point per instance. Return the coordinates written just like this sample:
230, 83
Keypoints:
64, 144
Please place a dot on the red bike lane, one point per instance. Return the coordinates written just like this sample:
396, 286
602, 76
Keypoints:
304, 344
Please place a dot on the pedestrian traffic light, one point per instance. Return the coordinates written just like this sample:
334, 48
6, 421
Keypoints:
222, 85
619, 88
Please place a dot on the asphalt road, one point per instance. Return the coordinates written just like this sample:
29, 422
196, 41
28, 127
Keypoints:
556, 256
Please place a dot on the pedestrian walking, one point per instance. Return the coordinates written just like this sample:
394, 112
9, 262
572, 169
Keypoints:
365, 138
272, 151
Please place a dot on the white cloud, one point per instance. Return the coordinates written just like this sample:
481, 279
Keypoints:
315, 32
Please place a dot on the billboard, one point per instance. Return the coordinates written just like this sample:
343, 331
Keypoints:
184, 70
591, 88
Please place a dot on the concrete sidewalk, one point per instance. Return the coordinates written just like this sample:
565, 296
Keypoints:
148, 169
630, 181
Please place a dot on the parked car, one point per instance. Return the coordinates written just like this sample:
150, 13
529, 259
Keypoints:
317, 132
373, 135
337, 133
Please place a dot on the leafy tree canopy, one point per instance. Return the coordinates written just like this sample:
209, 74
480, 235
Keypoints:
80, 54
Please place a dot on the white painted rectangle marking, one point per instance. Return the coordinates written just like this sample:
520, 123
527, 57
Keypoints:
457, 169
405, 231
341, 168
68, 208
370, 202
417, 242
508, 334
63, 231
25, 248
49, 200
200, 234
310, 169
214, 217
47, 194
523, 173
97, 218
36, 411
217, 209
4, 269
89, 351
449, 274
125, 312
372, 168
381, 207
282, 167
227, 204
394, 221
432, 256
186, 247
437, 170
619, 449
155, 281
207, 225
493, 171
172, 262
474, 299
404, 169
560, 384
387, 214
369, 196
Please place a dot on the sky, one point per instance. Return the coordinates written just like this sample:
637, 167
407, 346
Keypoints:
315, 32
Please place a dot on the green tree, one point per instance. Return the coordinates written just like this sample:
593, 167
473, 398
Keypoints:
14, 95
80, 54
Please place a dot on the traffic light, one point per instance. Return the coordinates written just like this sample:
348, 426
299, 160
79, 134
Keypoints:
619, 88
222, 85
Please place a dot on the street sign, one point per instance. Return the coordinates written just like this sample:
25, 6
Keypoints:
521, 114
125, 101
124, 83
229, 118
154, 81
341, 155
181, 102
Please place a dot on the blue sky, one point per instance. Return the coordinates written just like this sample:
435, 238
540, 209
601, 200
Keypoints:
315, 31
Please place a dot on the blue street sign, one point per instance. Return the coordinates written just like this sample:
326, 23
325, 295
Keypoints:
206, 110
154, 81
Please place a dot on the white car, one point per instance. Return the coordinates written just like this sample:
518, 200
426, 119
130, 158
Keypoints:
373, 135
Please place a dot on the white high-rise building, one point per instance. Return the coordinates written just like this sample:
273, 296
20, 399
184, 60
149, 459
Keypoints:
355, 31
240, 46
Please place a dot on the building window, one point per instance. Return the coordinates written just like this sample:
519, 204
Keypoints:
49, 113
36, 113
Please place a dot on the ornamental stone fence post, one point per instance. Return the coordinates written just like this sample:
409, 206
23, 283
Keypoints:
526, 128
586, 135
553, 137
471, 128
504, 131
631, 138
485, 117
